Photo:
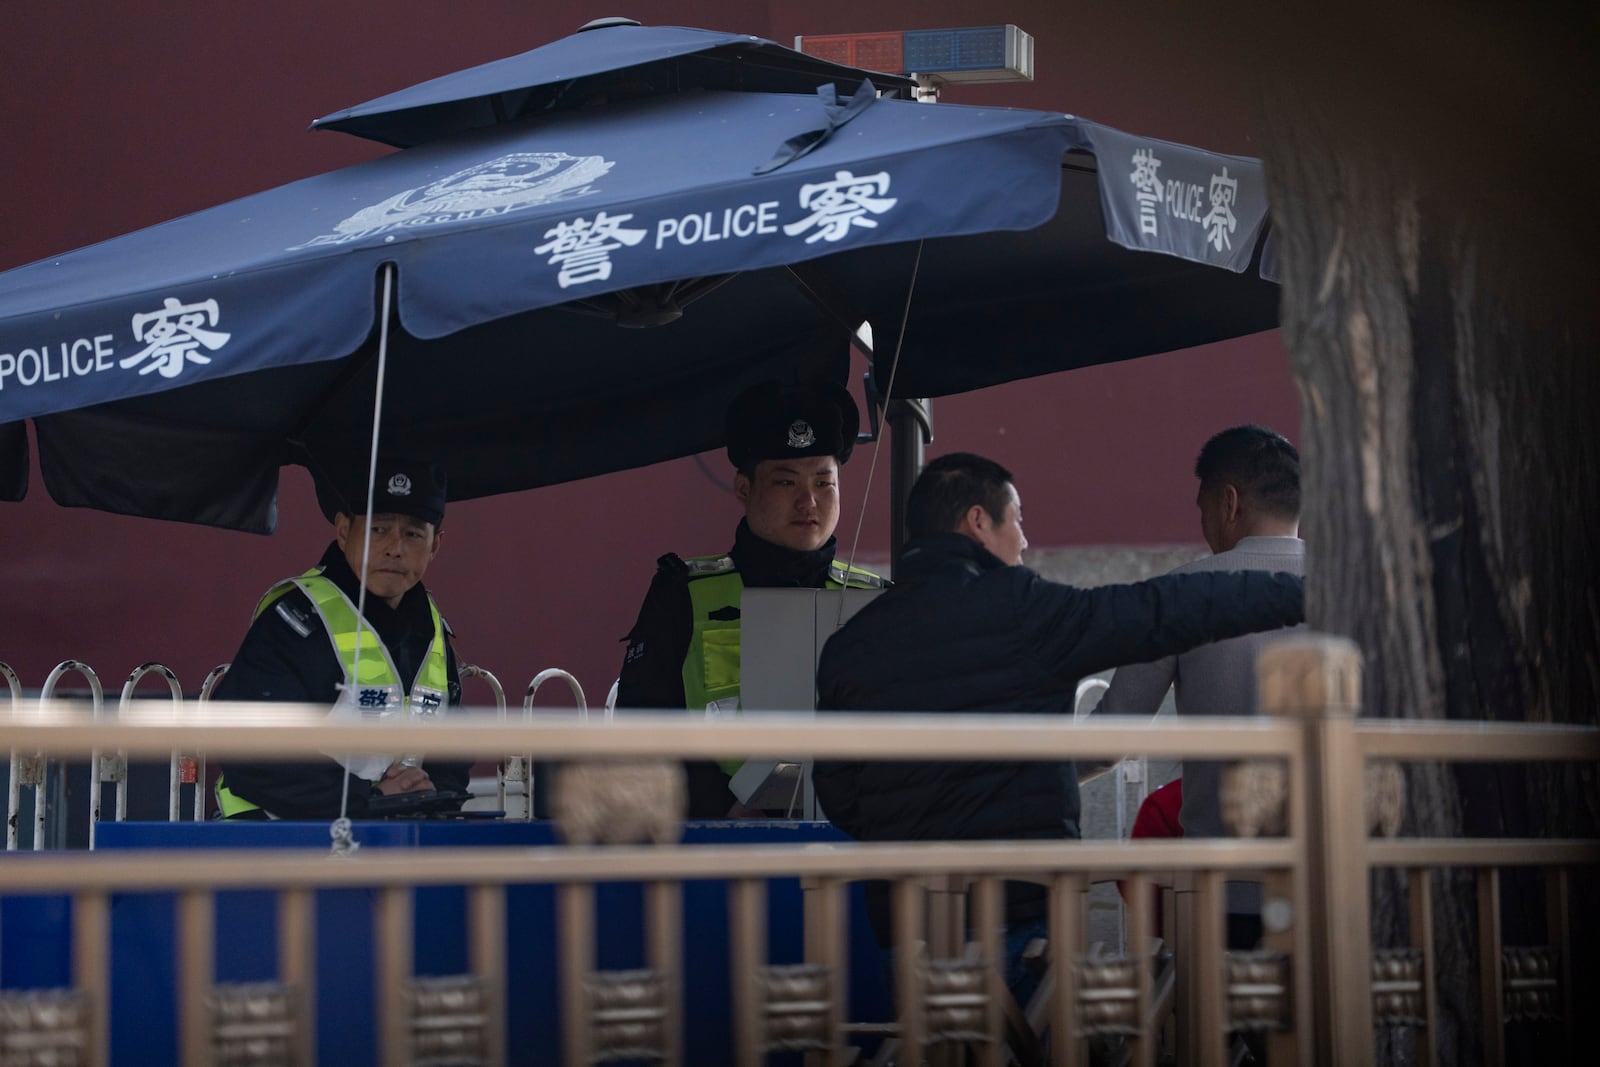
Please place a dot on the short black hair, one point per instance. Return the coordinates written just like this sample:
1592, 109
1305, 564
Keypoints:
949, 486
1260, 463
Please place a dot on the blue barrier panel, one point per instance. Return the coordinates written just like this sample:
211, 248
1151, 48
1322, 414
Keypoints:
143, 1019
35, 940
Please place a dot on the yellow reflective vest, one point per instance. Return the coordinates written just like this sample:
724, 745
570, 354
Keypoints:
371, 671
711, 667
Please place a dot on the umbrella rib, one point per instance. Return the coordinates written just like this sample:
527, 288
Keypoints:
590, 308
877, 445
825, 291
688, 290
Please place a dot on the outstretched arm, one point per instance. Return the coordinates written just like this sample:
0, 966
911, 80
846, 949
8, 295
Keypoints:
1088, 630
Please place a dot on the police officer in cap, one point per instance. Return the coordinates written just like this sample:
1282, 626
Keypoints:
302, 646
786, 444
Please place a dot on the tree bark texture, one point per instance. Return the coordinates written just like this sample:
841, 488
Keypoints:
1439, 306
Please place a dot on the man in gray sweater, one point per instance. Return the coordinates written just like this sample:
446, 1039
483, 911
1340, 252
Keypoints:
1249, 503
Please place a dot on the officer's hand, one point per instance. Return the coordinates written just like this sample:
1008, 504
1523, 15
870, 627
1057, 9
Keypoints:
400, 778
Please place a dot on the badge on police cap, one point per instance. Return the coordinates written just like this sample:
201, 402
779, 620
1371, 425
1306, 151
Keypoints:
776, 421
401, 485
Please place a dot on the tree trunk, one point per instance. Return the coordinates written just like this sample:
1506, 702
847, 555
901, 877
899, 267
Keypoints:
1427, 168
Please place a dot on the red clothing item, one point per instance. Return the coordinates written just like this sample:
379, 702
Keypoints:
1157, 817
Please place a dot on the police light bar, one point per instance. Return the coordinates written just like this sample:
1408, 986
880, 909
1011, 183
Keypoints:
973, 54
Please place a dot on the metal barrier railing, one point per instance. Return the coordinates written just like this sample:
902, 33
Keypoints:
507, 768
550, 674
181, 767
186, 764
27, 769
103, 769
531, 787
209, 686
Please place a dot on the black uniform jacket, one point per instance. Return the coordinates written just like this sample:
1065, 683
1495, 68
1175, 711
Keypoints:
963, 632
277, 662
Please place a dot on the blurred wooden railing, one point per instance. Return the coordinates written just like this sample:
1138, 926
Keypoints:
1311, 990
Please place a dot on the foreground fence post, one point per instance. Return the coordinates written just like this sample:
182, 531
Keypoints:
91, 969
1317, 679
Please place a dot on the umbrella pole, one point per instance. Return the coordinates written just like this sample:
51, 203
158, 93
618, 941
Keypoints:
905, 449
344, 842
910, 431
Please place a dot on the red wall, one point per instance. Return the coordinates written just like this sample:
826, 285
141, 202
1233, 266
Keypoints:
120, 119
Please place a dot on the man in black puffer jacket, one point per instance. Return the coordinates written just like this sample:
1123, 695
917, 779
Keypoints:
966, 628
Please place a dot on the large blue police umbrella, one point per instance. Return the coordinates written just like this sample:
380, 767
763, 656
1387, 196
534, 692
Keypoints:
582, 289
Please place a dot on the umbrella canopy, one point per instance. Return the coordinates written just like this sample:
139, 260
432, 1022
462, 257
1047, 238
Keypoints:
585, 292
610, 59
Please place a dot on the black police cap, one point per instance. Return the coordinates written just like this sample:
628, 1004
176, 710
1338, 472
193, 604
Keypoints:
402, 487
775, 421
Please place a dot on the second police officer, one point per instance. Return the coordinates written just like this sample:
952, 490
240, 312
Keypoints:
787, 444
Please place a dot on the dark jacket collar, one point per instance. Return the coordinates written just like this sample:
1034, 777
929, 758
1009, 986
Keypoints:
763, 564
928, 556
